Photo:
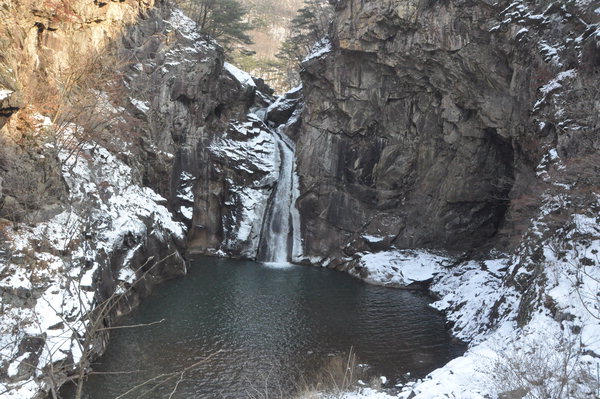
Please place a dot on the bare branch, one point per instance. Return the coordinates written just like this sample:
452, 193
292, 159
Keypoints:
168, 377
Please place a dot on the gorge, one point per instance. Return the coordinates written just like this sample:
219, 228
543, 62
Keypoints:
451, 145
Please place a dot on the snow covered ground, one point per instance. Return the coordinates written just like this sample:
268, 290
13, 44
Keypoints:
532, 318
4, 94
557, 341
400, 268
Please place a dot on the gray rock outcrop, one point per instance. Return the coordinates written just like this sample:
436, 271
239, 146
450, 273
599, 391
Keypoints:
421, 125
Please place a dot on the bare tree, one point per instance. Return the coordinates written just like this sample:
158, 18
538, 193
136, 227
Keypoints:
90, 327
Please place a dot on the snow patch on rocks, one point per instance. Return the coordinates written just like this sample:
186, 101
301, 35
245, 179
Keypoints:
514, 335
533, 314
48, 275
5, 93
251, 158
143, 106
243, 77
399, 268
184, 24
320, 48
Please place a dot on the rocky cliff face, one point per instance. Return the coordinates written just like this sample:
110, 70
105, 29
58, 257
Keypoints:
42, 39
422, 122
184, 98
98, 208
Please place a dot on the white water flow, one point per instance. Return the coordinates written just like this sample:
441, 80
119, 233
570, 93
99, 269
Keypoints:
278, 226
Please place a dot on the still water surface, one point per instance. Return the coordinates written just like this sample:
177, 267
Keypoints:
270, 326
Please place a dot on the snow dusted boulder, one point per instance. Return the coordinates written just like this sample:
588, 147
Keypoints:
284, 106
399, 268
242, 79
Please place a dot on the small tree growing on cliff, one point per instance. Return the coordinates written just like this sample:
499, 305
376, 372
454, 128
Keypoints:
310, 26
224, 20
307, 28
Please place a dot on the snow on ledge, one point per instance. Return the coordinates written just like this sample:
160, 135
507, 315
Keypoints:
4, 94
372, 239
185, 25
241, 76
320, 48
143, 106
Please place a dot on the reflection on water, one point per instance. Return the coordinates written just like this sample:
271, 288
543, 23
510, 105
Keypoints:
267, 326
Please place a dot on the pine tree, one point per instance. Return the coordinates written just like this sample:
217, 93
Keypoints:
311, 24
308, 27
223, 20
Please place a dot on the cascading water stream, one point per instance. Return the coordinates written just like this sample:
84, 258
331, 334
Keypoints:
277, 225
280, 241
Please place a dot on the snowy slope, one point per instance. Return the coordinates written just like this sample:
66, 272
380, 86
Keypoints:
49, 278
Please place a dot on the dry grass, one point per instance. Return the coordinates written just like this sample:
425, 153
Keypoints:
338, 375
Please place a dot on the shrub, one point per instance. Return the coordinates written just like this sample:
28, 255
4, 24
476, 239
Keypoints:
338, 375
548, 368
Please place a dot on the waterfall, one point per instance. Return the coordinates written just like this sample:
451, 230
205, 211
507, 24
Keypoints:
280, 240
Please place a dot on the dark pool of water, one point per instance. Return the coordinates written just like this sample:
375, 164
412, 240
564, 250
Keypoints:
270, 326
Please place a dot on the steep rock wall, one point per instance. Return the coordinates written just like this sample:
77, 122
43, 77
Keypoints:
183, 98
421, 123
42, 39
45, 48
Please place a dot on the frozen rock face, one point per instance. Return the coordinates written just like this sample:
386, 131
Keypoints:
420, 126
244, 199
206, 132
